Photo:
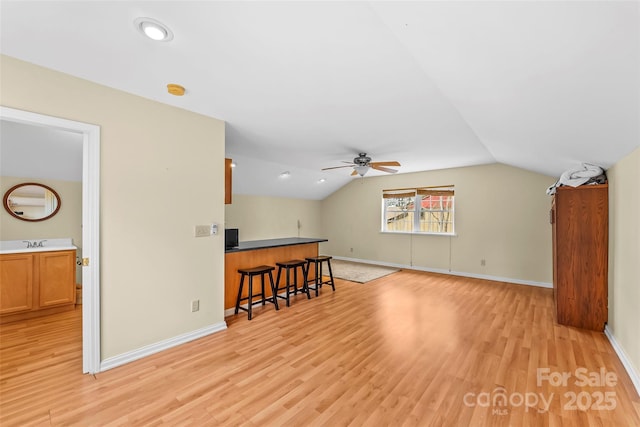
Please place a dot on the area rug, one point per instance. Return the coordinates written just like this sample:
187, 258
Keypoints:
359, 272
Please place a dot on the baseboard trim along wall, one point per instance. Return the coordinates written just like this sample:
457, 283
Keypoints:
150, 349
635, 376
454, 273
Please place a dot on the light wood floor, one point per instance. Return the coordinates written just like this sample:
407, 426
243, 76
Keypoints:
412, 349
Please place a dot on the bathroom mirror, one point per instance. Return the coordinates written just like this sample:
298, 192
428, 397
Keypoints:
31, 201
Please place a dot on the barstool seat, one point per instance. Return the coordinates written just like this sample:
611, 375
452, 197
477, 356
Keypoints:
289, 265
317, 279
251, 272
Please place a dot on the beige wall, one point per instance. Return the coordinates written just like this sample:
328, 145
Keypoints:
155, 159
501, 215
624, 254
66, 223
259, 217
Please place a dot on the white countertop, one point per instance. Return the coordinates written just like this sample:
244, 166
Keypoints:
48, 245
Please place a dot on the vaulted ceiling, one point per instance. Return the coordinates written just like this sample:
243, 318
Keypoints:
306, 85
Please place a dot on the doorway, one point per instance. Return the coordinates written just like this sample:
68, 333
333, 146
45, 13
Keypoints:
90, 224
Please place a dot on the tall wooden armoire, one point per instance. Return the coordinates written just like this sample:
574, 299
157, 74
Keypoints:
580, 222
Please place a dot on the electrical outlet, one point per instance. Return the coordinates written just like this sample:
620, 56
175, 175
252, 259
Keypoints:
195, 305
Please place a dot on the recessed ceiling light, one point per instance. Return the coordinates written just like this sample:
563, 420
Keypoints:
285, 174
234, 164
321, 180
153, 29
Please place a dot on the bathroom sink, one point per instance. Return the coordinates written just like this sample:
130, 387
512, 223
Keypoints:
35, 245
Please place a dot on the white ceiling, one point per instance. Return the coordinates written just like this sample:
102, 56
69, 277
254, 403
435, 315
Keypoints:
305, 85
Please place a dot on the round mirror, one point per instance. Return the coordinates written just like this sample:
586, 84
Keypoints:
32, 202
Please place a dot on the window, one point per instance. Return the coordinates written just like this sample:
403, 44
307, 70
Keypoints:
418, 210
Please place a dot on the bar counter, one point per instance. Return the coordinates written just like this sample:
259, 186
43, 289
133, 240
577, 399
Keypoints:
263, 252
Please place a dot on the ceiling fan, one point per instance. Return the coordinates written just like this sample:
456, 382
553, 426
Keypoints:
362, 163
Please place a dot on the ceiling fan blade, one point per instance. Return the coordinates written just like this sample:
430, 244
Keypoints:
383, 169
337, 167
354, 173
393, 163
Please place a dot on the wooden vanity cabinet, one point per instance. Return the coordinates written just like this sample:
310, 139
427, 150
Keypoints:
16, 283
57, 278
36, 283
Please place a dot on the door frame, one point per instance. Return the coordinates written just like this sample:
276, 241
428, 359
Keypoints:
90, 225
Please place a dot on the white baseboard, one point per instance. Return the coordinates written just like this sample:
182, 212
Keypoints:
454, 273
635, 377
150, 349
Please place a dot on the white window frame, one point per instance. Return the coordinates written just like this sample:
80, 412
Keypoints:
417, 209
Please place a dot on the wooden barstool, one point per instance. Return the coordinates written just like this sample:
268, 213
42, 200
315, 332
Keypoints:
317, 280
288, 265
251, 272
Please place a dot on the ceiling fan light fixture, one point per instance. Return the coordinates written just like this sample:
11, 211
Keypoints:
361, 170
363, 163
153, 29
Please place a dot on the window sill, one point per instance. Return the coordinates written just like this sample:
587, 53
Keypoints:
417, 233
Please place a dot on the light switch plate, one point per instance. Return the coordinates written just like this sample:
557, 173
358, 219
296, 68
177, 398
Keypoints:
203, 230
